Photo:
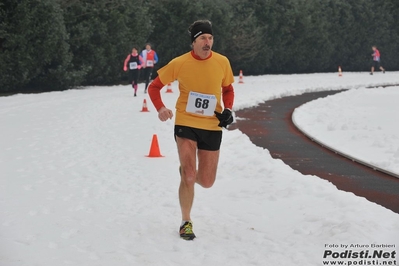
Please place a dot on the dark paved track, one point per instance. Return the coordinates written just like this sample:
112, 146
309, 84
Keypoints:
269, 125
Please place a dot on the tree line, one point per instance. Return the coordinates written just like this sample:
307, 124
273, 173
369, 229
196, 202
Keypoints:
59, 44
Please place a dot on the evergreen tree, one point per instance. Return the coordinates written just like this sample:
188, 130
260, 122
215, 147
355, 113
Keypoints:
173, 18
34, 52
57, 44
102, 33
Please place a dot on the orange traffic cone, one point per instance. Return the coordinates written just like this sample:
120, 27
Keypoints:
154, 150
145, 108
339, 72
241, 79
169, 88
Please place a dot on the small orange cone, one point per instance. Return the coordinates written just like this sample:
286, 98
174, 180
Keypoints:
169, 88
154, 150
339, 72
241, 79
145, 108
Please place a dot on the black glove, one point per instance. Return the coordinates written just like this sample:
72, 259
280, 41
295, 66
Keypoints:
225, 118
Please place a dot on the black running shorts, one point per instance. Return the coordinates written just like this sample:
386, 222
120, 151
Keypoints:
376, 64
209, 140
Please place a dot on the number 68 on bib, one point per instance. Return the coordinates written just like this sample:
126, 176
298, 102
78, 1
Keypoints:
201, 104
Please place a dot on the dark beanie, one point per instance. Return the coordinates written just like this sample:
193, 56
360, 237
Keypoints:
199, 29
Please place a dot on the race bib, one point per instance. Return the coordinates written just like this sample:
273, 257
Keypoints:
133, 65
150, 63
201, 104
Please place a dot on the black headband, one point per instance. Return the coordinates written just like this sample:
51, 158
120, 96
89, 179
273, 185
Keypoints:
200, 29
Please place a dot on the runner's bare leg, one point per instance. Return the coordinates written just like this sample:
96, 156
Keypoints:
187, 155
206, 175
207, 167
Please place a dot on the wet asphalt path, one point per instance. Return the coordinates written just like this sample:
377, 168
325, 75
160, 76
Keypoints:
269, 125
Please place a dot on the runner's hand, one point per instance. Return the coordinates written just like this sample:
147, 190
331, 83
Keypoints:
225, 118
165, 114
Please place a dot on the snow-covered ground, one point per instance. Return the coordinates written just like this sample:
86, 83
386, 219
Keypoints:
359, 123
76, 187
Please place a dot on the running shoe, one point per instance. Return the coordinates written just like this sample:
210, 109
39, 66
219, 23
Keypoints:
186, 231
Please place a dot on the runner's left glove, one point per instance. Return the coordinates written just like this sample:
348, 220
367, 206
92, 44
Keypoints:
225, 118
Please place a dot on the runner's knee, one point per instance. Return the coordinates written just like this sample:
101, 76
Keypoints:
205, 182
188, 177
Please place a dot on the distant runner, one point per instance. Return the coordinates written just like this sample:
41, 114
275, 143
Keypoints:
376, 60
132, 64
150, 58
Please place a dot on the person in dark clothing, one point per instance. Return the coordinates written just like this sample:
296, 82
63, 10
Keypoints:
132, 64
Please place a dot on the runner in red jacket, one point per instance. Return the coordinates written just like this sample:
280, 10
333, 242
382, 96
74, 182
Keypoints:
376, 60
150, 58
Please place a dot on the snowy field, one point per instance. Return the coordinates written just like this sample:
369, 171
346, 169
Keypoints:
76, 187
360, 123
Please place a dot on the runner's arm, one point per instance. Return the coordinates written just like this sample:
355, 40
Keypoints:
141, 61
125, 64
155, 58
228, 96
154, 90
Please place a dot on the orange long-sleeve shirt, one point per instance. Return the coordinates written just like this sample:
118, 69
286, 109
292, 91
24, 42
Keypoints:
203, 85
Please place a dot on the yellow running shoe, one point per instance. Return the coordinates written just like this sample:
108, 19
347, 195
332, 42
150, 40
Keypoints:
186, 231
